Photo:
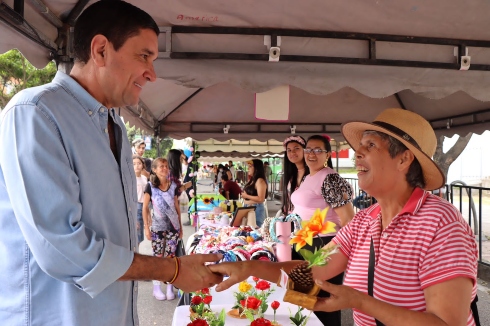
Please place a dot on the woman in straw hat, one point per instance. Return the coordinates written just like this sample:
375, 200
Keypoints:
410, 259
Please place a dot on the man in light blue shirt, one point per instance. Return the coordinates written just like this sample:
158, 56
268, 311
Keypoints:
67, 186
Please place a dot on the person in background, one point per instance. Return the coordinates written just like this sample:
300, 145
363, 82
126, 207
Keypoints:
175, 159
68, 240
163, 227
295, 169
141, 182
189, 179
424, 254
323, 188
231, 189
139, 149
268, 175
220, 170
268, 172
232, 170
255, 190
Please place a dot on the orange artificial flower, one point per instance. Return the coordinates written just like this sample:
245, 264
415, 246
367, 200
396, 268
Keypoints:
315, 226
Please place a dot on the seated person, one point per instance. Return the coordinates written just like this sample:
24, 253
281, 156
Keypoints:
230, 189
363, 200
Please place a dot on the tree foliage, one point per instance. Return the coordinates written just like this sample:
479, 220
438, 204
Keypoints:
165, 144
444, 160
16, 74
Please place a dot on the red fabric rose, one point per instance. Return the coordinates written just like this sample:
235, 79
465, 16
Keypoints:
205, 291
253, 303
207, 299
198, 322
256, 279
263, 285
196, 300
261, 322
242, 303
275, 305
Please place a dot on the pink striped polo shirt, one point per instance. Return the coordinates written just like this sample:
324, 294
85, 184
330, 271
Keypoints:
427, 243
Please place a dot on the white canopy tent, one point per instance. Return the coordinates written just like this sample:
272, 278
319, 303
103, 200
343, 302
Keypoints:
344, 60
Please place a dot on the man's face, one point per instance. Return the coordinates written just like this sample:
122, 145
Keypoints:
140, 149
128, 69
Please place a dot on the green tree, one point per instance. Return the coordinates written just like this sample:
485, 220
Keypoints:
16, 74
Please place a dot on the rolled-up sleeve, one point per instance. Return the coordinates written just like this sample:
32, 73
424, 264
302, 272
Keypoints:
44, 191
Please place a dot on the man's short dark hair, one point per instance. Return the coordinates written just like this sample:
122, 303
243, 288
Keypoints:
224, 177
138, 142
116, 20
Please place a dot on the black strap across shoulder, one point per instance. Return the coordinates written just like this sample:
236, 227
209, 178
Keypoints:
372, 262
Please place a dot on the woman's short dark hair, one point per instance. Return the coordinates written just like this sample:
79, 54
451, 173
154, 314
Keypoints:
415, 175
327, 145
116, 20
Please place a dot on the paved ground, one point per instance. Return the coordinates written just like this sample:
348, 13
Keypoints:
153, 312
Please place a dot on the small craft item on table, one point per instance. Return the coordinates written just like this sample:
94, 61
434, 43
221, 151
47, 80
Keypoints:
301, 288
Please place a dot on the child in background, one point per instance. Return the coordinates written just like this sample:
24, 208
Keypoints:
164, 228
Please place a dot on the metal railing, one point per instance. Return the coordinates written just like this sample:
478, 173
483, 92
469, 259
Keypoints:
470, 200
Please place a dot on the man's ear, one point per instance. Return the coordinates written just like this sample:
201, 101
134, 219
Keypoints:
406, 159
98, 50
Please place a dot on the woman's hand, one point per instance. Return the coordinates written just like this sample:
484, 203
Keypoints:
244, 195
147, 232
181, 232
341, 297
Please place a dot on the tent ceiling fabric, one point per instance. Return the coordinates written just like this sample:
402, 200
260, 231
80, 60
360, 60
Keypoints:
322, 95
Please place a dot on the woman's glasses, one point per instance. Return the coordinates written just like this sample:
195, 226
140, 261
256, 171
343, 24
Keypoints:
316, 151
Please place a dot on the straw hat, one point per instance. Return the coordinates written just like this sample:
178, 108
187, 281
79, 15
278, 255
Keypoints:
409, 128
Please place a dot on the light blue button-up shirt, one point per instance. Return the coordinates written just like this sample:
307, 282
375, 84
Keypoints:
67, 211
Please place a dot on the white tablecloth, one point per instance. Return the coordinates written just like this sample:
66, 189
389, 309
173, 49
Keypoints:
226, 300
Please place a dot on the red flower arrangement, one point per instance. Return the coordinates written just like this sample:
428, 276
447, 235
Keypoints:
198, 322
261, 322
201, 313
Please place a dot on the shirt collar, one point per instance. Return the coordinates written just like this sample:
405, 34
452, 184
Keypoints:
87, 101
412, 206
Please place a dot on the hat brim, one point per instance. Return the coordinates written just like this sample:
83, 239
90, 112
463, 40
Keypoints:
433, 176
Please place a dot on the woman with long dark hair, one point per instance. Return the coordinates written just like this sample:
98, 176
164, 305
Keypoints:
295, 169
255, 190
176, 158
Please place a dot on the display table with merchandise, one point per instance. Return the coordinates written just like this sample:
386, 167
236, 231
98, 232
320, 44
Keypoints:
225, 300
205, 202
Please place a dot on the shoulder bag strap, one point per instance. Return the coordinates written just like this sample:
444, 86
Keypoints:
372, 262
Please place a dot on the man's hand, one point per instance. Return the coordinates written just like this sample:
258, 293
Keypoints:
341, 297
194, 275
237, 272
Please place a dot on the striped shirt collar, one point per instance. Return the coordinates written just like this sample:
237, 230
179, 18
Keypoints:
412, 206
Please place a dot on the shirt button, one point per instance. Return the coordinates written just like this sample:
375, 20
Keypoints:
135, 289
134, 249
106, 131
385, 235
90, 112
101, 110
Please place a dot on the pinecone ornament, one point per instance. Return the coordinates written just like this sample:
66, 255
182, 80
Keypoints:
302, 277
